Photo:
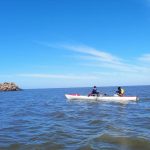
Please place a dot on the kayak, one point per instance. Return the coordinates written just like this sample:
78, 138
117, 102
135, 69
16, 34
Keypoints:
101, 98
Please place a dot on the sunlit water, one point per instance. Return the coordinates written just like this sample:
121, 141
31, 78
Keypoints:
45, 120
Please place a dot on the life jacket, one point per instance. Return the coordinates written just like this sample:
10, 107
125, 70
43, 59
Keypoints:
122, 91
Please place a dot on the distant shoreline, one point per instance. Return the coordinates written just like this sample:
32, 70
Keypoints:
82, 87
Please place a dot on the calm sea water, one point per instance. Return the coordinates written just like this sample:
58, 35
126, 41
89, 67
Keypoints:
45, 120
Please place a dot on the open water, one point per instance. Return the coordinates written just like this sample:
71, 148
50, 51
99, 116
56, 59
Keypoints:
44, 120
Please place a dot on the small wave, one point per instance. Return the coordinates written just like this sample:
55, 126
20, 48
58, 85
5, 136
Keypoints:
86, 147
44, 146
133, 143
96, 122
58, 115
145, 98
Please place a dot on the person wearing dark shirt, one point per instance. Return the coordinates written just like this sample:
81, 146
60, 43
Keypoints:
94, 92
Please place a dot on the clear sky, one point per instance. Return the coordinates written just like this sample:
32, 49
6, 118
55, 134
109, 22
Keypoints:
75, 43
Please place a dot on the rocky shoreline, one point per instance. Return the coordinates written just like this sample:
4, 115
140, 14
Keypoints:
9, 86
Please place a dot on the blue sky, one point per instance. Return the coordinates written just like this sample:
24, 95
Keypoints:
75, 43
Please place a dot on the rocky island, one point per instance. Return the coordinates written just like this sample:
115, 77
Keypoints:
9, 86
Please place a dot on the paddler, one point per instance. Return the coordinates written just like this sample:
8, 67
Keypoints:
94, 92
120, 91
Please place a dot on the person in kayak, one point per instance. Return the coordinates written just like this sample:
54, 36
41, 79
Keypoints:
94, 92
120, 91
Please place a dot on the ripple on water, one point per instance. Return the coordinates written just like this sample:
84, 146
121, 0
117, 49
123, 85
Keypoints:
124, 142
44, 146
96, 122
58, 115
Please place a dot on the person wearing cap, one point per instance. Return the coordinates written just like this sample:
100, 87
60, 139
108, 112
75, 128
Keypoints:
120, 91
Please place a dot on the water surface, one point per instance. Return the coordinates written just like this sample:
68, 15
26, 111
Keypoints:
44, 120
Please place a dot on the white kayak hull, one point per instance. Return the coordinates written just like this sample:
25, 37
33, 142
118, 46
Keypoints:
102, 98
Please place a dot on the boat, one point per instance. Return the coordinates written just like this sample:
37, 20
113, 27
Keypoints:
114, 98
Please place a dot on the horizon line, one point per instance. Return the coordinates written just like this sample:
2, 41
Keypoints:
83, 87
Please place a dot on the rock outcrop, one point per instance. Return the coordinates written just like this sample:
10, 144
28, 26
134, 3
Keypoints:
9, 86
